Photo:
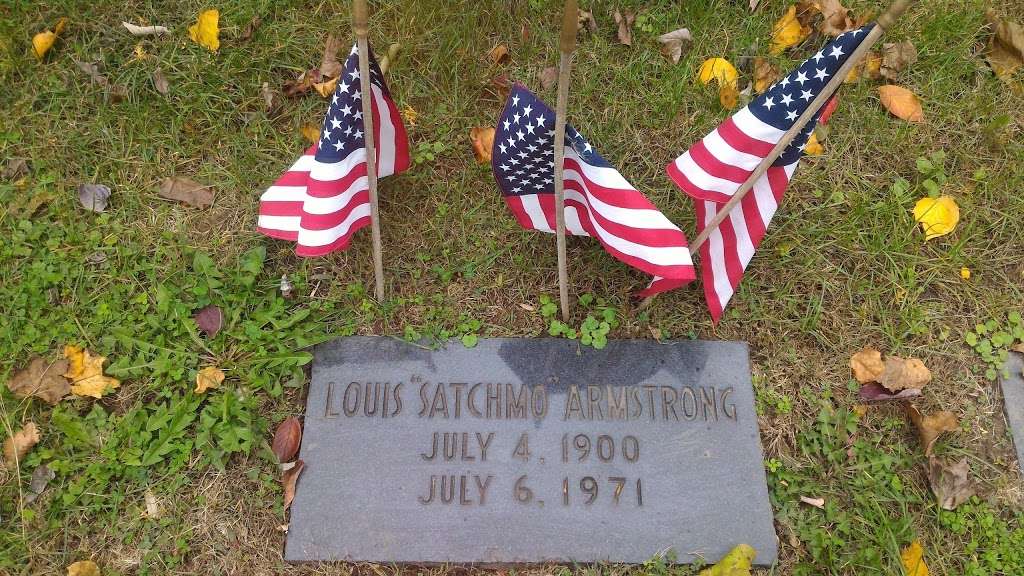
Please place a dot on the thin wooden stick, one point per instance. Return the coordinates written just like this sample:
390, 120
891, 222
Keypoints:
570, 19
360, 25
884, 22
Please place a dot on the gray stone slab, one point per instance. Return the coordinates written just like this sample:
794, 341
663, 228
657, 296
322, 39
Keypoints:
555, 453
1013, 396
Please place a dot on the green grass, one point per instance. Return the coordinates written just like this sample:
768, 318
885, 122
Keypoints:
842, 266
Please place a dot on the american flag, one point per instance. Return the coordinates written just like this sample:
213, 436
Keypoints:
599, 202
323, 199
713, 169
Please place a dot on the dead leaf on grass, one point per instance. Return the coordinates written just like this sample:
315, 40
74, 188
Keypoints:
930, 427
837, 19
144, 30
41, 477
483, 142
813, 146
499, 54
585, 21
788, 32
950, 481
269, 98
1018, 348
16, 168
875, 392
736, 563
160, 82
86, 373
816, 502
186, 190
548, 77
674, 44
869, 67
330, 67
310, 132
289, 481
302, 84
18, 445
625, 22
153, 510
937, 216
896, 57
765, 74
912, 558
93, 197
1005, 51
326, 88
901, 103
209, 319
208, 378
867, 365
287, 439
902, 373
84, 568
250, 29
206, 31
43, 41
43, 379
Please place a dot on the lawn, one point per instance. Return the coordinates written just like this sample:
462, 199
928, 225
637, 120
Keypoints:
842, 267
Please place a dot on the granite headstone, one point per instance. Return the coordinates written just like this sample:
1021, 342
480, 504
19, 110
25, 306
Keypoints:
1013, 397
522, 451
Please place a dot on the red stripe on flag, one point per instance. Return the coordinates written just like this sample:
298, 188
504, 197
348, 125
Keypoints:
332, 219
280, 208
715, 167
691, 189
332, 188
515, 204
739, 140
340, 244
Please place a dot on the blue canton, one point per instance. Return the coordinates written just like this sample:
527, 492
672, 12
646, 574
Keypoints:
787, 99
342, 131
524, 150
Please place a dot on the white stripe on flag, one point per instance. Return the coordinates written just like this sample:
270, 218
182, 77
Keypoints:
327, 172
283, 223
716, 249
701, 179
333, 204
325, 237
721, 150
386, 142
751, 126
284, 194
632, 217
533, 209
573, 223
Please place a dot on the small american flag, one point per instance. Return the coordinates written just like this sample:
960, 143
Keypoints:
714, 168
599, 202
323, 199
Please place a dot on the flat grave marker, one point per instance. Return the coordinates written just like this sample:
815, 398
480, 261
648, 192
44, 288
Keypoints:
1013, 397
529, 450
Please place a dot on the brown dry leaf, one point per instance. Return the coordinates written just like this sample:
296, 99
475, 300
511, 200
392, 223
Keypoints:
42, 379
930, 427
207, 378
728, 96
1005, 51
326, 88
896, 57
902, 373
901, 103
1018, 348
86, 373
160, 82
837, 18
287, 439
867, 365
269, 98
874, 392
675, 43
548, 77
950, 482
765, 74
20, 443
788, 32
186, 190
84, 568
499, 54
144, 30
483, 142
870, 67
250, 29
16, 168
329, 65
289, 480
304, 83
625, 22
816, 502
586, 20
153, 510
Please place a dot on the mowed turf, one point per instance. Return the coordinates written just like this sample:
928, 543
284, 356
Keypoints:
842, 266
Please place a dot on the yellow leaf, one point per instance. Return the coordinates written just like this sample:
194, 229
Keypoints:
718, 69
965, 272
814, 148
42, 42
84, 568
788, 32
867, 365
205, 30
728, 96
86, 373
736, 563
901, 102
483, 142
20, 443
209, 377
326, 88
409, 114
310, 132
913, 559
938, 216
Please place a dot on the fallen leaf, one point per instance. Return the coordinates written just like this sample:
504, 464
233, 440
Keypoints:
753, 4
152, 506
674, 44
498, 54
548, 77
250, 28
788, 32
269, 97
286, 287
289, 480
736, 563
18, 445
43, 379
1018, 348
1005, 50
207, 378
86, 373
16, 168
390, 58
113, 92
869, 67
875, 392
140, 53
828, 109
84, 568
902, 373
483, 142
410, 115
718, 69
625, 22
867, 365
310, 132
94, 197
206, 31
837, 18
326, 88
330, 67
502, 85
813, 146
304, 83
816, 502
728, 96
185, 190
901, 102
930, 427
43, 41
585, 21
160, 82
937, 216
765, 74
950, 482
913, 560
209, 319
144, 30
287, 439
896, 57
965, 272
41, 477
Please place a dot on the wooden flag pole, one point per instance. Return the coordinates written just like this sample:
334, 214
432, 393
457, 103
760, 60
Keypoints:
360, 25
570, 19
885, 21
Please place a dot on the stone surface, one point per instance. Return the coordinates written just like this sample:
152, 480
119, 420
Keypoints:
1013, 396
555, 453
